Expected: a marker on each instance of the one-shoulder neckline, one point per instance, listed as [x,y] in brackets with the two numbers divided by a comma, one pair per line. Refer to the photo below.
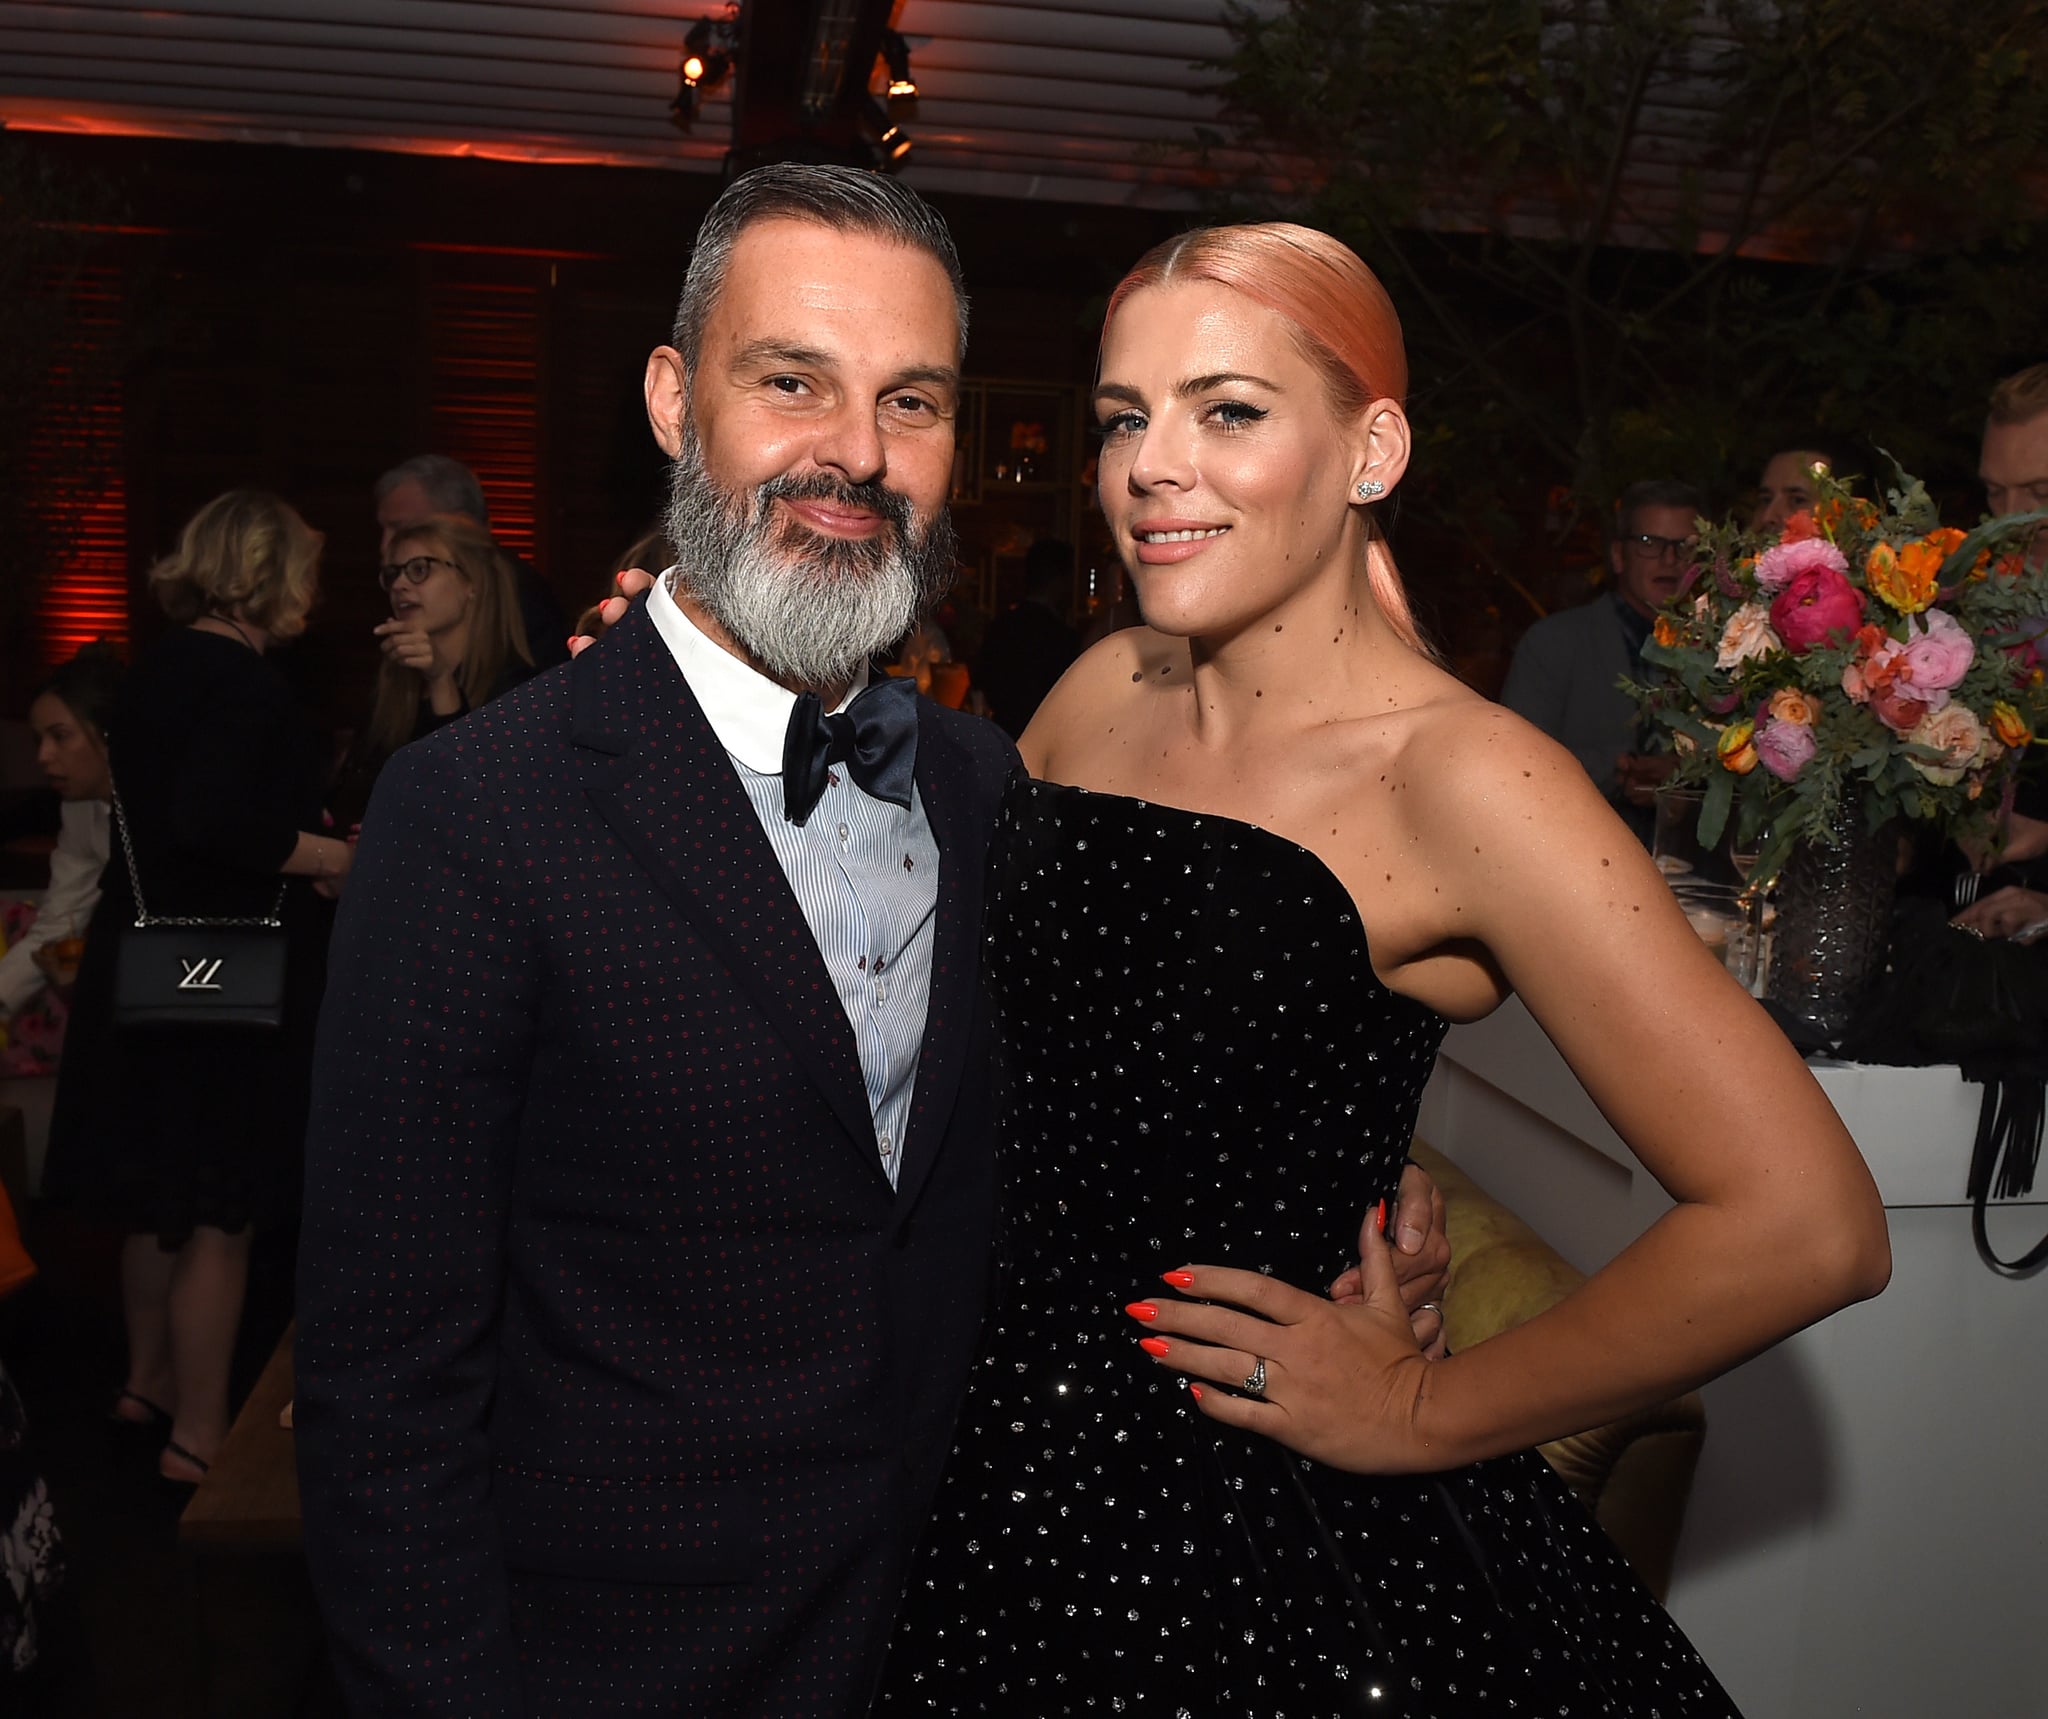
[1330,882]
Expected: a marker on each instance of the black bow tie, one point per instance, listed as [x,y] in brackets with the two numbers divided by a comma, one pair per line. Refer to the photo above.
[875,737]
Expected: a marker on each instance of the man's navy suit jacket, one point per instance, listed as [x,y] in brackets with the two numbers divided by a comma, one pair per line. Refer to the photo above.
[601,1276]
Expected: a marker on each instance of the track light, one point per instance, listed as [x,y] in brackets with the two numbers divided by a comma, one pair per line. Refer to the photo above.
[891,147]
[707,63]
[902,86]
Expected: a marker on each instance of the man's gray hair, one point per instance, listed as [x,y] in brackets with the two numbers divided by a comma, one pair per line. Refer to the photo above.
[845,199]
[450,485]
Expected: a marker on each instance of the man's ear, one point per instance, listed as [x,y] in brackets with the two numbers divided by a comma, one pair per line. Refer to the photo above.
[668,398]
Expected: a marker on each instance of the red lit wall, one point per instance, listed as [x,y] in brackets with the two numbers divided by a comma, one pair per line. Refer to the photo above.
[76,470]
[485,384]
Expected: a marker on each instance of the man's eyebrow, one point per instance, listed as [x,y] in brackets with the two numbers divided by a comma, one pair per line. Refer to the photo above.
[781,352]
[938,375]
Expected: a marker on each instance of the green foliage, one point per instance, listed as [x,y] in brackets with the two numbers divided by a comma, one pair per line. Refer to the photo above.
[1583,212]
[1934,738]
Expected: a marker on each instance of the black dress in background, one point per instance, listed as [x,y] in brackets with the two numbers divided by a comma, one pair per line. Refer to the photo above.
[160,1129]
[1201,1066]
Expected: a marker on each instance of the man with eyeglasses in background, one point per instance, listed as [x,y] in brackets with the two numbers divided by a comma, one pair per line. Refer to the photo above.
[1565,671]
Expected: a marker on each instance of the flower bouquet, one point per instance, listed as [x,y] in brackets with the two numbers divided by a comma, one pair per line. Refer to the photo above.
[1867,658]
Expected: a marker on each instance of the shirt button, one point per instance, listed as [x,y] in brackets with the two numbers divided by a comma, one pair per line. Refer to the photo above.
[845,835]
[881,990]
[888,1146]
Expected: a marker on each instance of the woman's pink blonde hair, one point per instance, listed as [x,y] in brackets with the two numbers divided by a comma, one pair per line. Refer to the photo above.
[1344,322]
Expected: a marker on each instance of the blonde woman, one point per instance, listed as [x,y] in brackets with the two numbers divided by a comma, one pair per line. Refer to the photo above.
[1273,849]
[455,639]
[189,1138]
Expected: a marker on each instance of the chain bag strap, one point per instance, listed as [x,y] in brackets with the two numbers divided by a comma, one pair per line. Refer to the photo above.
[187,971]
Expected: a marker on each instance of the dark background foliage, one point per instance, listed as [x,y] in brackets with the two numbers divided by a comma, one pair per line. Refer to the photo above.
[1657,237]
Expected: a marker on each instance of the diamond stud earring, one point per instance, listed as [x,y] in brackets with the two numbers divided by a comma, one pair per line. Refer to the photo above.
[1370,488]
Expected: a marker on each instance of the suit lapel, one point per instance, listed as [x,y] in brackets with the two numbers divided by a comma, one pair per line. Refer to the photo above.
[944,784]
[673,800]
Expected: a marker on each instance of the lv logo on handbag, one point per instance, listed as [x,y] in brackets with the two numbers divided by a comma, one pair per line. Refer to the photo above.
[237,980]
[199,975]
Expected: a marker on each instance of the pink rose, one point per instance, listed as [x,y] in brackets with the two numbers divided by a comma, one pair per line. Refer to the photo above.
[1784,747]
[1818,604]
[1938,652]
[1780,564]
[1882,678]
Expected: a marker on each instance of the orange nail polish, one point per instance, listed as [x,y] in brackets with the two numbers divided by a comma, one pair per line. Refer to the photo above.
[1153,1346]
[1380,1222]
[1178,1279]
[1195,1391]
[1142,1310]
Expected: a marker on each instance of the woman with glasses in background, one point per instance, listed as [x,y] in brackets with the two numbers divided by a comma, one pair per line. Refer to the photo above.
[455,641]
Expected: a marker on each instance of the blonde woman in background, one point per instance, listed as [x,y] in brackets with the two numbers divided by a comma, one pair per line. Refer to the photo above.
[455,639]
[187,1138]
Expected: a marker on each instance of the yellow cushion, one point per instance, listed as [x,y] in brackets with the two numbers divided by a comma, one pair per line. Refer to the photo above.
[1634,1474]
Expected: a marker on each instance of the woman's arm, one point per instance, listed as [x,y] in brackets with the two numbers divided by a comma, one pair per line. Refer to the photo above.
[325,859]
[66,908]
[1777,1221]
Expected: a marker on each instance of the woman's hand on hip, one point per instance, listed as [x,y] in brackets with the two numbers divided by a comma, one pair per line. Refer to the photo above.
[1343,1382]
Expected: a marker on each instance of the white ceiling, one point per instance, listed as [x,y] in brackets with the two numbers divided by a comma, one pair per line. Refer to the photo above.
[1070,100]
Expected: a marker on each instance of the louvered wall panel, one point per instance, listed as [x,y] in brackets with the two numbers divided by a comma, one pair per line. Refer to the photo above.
[484,369]
[602,456]
[76,461]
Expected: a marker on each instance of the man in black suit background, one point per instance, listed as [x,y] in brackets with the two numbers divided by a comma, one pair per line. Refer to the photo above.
[650,1190]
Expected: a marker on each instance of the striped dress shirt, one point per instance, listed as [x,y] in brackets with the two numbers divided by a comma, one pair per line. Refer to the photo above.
[865,873]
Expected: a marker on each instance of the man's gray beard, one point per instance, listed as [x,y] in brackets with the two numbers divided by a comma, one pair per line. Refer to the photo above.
[810,610]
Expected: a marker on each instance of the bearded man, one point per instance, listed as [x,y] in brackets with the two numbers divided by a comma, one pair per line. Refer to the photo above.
[650,1192]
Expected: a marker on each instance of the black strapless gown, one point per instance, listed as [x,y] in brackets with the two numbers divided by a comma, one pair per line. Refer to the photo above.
[1201,1065]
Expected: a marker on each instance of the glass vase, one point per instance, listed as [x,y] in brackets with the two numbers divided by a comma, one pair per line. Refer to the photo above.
[1834,921]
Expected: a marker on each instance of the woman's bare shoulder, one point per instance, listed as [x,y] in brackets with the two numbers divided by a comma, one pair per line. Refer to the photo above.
[1098,691]
[1467,746]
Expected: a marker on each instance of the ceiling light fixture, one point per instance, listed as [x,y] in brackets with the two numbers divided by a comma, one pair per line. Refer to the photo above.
[707,63]
[885,137]
[902,85]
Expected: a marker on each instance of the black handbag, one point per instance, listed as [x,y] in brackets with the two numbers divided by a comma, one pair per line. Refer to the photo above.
[1981,1003]
[185,972]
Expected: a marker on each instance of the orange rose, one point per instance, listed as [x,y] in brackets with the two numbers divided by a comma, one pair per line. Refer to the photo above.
[1789,704]
[1799,528]
[1904,579]
[2010,727]
[1665,631]
[1923,559]
[1737,747]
